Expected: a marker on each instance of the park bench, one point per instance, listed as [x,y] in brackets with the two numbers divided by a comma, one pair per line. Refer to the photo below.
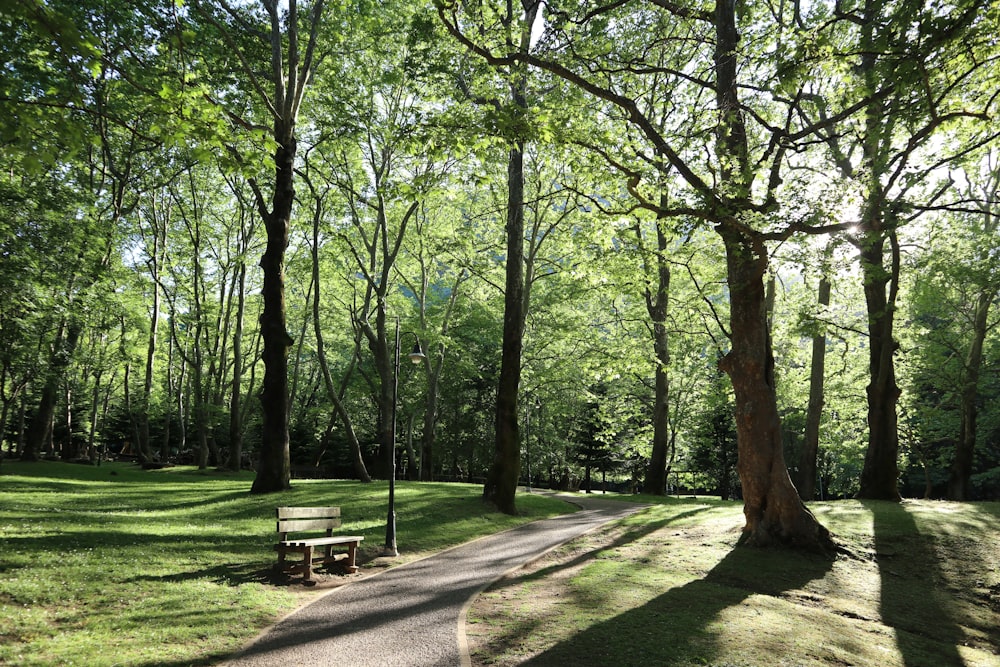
[311,520]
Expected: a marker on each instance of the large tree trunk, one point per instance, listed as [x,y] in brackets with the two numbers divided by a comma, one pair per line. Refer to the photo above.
[814,413]
[879,477]
[656,305]
[961,465]
[774,513]
[274,471]
[501,481]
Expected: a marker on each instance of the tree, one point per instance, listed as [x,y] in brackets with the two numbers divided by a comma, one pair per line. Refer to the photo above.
[291,71]
[916,75]
[981,323]
[814,414]
[334,394]
[954,290]
[774,513]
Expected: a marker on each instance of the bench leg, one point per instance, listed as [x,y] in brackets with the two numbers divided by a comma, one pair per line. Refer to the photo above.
[352,550]
[307,562]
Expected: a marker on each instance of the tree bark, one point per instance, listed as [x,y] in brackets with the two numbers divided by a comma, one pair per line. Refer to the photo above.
[274,471]
[656,305]
[236,395]
[289,77]
[879,477]
[774,513]
[814,413]
[501,481]
[40,427]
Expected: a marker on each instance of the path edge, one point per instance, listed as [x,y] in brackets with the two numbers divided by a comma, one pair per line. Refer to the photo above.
[462,641]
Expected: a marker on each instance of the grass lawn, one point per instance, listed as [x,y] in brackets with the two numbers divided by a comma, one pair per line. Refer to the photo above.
[113,565]
[666,588]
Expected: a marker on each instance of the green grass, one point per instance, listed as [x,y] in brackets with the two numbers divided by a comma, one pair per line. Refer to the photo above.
[113,565]
[666,587]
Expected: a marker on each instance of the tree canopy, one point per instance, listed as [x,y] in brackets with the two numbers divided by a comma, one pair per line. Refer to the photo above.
[583,213]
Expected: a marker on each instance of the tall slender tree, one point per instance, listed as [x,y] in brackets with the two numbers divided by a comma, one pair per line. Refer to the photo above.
[292,43]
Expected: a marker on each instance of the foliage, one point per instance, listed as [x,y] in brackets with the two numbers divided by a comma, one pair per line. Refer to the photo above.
[135,137]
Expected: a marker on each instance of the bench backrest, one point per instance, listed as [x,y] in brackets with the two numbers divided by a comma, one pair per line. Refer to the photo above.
[298,519]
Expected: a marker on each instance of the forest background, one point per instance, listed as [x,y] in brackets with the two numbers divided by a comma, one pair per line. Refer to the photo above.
[206,203]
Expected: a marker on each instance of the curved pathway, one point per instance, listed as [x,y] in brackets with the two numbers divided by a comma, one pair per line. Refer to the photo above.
[409,615]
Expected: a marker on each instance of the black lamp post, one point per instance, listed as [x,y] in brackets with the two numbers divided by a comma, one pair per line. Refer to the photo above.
[416,356]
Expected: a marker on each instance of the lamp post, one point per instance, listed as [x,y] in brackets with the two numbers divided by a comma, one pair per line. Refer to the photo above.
[416,356]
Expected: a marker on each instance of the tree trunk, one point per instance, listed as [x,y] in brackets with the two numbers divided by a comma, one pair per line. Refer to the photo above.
[40,428]
[774,513]
[236,395]
[501,481]
[67,449]
[345,418]
[412,468]
[429,436]
[386,389]
[961,465]
[434,366]
[810,448]
[879,477]
[274,471]
[656,305]
[168,413]
[143,445]
[95,404]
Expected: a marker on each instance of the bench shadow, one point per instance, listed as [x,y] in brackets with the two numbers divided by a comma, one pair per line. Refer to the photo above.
[913,596]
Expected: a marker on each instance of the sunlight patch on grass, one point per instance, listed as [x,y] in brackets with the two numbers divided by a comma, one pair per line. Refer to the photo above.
[667,587]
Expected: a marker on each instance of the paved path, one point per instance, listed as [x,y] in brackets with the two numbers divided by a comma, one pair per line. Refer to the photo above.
[409,615]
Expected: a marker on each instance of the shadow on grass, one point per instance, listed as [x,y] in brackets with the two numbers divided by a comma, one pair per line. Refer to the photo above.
[927,634]
[631,535]
[676,627]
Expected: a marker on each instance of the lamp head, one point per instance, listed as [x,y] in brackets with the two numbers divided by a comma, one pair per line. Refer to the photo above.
[416,356]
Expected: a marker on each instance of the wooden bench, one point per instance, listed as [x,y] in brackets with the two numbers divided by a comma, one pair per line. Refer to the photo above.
[312,520]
